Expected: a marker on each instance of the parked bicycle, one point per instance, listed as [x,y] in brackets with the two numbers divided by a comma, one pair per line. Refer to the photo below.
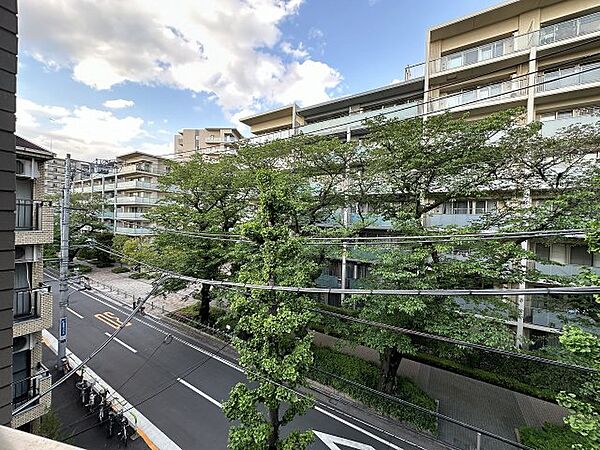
[123,432]
[103,407]
[111,423]
[85,387]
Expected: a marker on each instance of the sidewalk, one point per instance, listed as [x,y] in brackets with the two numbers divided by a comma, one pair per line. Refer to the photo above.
[484,405]
[130,289]
[67,406]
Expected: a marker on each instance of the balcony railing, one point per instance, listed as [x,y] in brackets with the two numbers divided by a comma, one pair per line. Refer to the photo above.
[134,231]
[137,200]
[340,124]
[27,388]
[483,95]
[457,219]
[571,76]
[25,304]
[569,29]
[28,215]
[551,34]
[485,52]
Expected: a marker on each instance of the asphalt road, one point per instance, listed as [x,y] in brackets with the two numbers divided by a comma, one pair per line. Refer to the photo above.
[188,412]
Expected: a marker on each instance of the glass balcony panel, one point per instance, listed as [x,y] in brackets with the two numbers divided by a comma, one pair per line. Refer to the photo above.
[590,73]
[589,24]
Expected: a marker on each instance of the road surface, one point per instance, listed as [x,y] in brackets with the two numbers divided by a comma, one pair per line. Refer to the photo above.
[189,411]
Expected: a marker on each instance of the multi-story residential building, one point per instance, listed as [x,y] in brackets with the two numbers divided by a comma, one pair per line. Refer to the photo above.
[8,81]
[32,300]
[129,197]
[541,56]
[211,142]
[55,174]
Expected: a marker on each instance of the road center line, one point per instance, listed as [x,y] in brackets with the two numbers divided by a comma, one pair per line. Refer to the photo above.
[122,343]
[74,313]
[200,393]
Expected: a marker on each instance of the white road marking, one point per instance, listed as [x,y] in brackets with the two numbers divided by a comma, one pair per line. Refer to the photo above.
[200,393]
[357,428]
[239,369]
[74,313]
[156,436]
[128,347]
[331,442]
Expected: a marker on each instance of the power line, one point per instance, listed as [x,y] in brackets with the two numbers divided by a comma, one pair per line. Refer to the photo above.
[462,343]
[65,377]
[419,333]
[400,401]
[397,292]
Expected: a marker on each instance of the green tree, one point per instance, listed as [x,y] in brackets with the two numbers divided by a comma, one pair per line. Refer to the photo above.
[422,165]
[273,340]
[584,405]
[202,196]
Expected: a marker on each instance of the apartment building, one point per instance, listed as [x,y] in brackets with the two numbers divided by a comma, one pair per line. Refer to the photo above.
[8,81]
[128,190]
[55,174]
[32,300]
[540,55]
[211,142]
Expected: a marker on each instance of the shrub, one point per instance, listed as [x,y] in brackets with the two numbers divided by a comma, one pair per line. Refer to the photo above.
[550,437]
[51,427]
[367,373]
[120,269]
[83,268]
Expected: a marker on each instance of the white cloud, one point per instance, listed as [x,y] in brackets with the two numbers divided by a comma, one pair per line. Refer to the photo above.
[84,132]
[228,49]
[118,103]
[299,52]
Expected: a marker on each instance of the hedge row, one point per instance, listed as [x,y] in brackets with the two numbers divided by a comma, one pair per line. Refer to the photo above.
[352,368]
[367,373]
[550,437]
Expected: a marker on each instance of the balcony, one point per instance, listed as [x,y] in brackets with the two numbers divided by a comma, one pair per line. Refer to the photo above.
[136,200]
[269,137]
[568,78]
[445,220]
[25,304]
[563,32]
[134,184]
[27,388]
[146,168]
[483,53]
[122,215]
[551,127]
[503,92]
[28,215]
[565,270]
[134,231]
[570,29]
[356,121]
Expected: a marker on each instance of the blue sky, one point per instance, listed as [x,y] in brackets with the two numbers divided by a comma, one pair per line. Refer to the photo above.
[197,63]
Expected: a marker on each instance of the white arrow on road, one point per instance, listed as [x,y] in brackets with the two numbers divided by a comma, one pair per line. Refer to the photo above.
[333,441]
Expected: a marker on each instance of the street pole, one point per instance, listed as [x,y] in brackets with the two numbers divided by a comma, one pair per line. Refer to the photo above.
[65,214]
[346,223]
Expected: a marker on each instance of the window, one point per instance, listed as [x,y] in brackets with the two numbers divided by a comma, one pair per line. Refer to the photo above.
[21,369]
[580,255]
[564,114]
[542,251]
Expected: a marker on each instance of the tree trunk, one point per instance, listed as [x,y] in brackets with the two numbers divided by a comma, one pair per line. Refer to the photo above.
[390,360]
[204,312]
[274,436]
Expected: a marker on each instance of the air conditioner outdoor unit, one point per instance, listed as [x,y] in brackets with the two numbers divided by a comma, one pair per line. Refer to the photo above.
[21,343]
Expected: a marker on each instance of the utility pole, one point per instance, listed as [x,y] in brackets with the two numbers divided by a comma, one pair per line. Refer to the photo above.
[346,223]
[63,302]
